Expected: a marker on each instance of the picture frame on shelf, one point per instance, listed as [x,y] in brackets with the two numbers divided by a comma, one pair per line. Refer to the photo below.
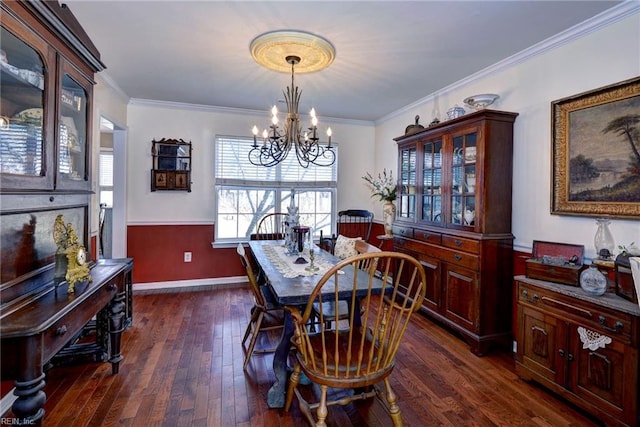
[160,179]
[596,152]
[182,180]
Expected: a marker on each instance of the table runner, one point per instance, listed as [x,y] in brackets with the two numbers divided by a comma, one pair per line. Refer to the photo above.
[285,263]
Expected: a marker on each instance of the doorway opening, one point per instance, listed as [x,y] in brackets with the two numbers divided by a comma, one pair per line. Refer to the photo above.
[112,227]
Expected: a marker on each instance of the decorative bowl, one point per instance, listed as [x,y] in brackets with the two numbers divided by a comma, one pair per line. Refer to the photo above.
[482,101]
[455,112]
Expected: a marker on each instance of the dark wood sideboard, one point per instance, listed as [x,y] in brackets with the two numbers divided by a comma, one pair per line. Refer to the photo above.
[582,347]
[33,331]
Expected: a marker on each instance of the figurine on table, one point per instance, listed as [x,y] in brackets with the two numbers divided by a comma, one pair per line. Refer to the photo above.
[77,269]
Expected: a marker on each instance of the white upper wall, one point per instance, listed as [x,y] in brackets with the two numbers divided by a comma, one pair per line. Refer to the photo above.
[606,56]
[111,104]
[200,125]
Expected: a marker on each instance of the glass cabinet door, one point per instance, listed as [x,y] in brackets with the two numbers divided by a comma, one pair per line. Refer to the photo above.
[408,181]
[72,131]
[432,181]
[463,180]
[24,82]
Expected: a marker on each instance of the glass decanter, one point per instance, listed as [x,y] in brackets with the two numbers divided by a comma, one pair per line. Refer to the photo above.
[603,240]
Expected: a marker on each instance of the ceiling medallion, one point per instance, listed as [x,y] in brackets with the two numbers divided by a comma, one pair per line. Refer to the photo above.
[292,51]
[271,50]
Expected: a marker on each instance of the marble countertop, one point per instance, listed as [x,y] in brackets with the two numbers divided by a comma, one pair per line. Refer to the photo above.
[609,299]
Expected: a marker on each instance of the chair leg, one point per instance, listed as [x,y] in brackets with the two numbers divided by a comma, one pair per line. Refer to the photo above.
[293,383]
[254,316]
[323,411]
[254,338]
[394,409]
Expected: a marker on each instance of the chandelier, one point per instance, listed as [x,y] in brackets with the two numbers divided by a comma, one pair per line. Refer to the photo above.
[276,142]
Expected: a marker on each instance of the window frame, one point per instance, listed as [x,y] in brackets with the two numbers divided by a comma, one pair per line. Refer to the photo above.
[101,188]
[281,189]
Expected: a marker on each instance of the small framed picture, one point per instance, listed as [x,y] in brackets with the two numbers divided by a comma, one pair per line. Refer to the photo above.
[182,179]
[160,179]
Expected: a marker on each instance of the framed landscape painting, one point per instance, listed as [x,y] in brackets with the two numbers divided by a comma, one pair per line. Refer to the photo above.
[596,152]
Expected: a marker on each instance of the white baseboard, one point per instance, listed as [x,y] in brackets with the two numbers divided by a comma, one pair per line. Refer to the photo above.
[177,285]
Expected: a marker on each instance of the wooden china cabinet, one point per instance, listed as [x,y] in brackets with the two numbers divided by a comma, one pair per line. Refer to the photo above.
[47,66]
[454,216]
[47,84]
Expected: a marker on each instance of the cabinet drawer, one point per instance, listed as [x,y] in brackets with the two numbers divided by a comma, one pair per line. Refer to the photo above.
[460,258]
[402,231]
[401,244]
[467,245]
[438,252]
[427,236]
[600,319]
[66,327]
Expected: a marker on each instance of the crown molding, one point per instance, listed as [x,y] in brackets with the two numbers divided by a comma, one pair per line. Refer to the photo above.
[604,19]
[105,78]
[232,110]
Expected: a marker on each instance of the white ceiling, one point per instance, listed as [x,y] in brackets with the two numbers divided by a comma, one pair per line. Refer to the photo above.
[388,53]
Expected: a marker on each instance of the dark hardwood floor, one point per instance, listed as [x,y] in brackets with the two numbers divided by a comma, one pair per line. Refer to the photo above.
[183,367]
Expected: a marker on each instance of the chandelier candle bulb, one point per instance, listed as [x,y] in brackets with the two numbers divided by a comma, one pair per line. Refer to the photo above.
[329,136]
[255,133]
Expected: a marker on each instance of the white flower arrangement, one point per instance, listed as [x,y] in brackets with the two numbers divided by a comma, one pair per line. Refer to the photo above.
[384,186]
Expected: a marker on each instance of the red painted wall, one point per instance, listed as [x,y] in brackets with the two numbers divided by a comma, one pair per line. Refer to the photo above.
[93,248]
[158,254]
[519,259]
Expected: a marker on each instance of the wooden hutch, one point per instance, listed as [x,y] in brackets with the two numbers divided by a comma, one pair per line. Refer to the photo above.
[454,216]
[582,347]
[47,66]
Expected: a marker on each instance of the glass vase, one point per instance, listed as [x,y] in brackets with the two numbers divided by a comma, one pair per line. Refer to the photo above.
[592,281]
[603,240]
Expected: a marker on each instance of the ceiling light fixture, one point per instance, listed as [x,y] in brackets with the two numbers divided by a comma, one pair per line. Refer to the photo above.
[277,51]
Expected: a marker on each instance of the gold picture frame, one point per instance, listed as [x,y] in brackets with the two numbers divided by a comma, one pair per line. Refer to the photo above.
[596,152]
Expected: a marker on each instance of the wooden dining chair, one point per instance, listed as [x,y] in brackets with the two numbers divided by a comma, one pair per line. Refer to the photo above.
[266,314]
[362,354]
[350,223]
[328,308]
[271,227]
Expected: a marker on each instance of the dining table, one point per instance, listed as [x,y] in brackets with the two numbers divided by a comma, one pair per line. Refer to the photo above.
[291,285]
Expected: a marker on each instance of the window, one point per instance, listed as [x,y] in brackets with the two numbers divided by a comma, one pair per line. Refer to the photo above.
[106,178]
[245,193]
